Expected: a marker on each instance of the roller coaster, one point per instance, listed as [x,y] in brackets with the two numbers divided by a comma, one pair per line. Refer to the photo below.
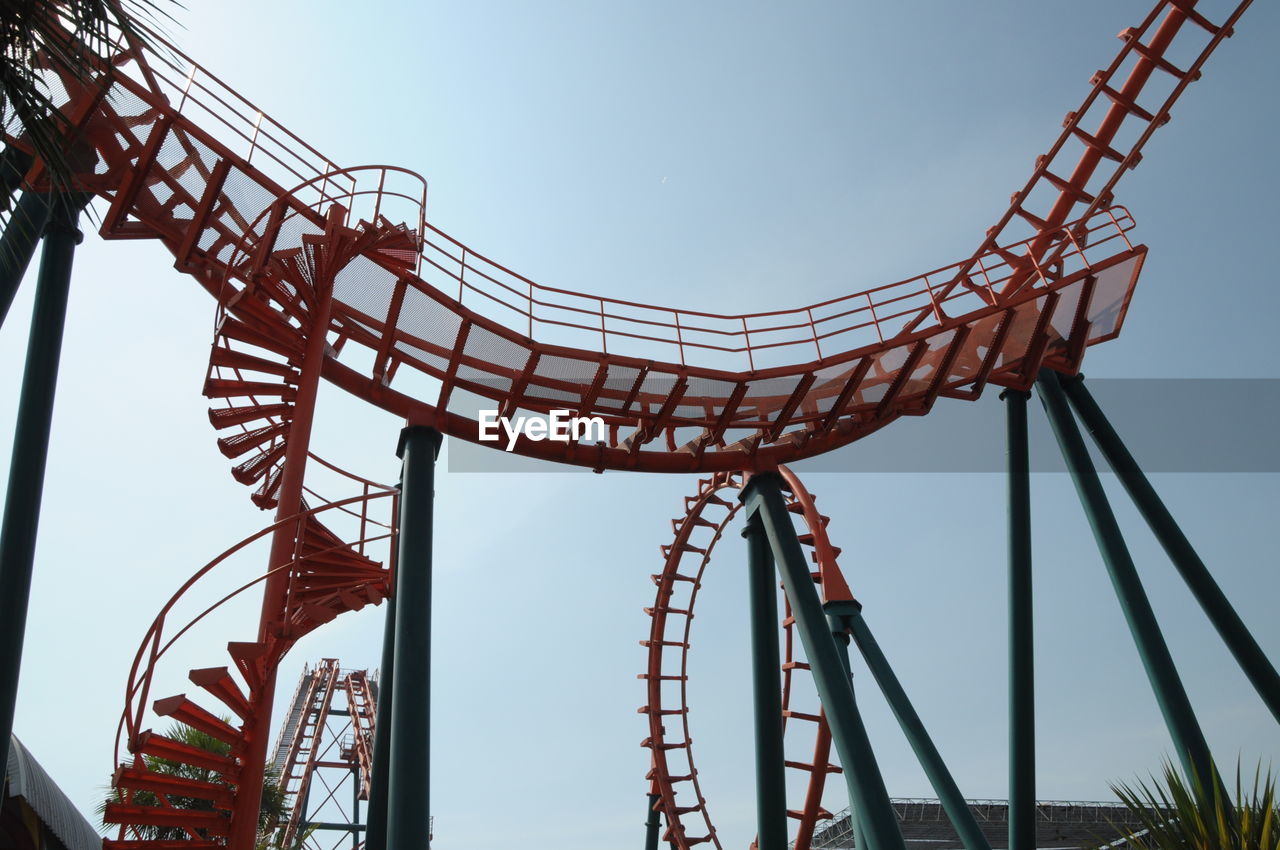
[323,272]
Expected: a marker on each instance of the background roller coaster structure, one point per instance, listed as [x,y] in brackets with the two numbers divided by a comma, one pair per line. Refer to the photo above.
[322,272]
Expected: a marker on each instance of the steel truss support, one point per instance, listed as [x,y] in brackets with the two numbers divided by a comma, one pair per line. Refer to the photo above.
[1252,660]
[771,785]
[1188,739]
[409,771]
[31,445]
[763,497]
[1022,696]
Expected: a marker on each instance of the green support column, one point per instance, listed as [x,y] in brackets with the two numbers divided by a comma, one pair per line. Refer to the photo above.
[355,808]
[1022,695]
[652,824]
[1252,660]
[1188,739]
[18,244]
[944,785]
[31,448]
[376,811]
[763,495]
[409,773]
[771,783]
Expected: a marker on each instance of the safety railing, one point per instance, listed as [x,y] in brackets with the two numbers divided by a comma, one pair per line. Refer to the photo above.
[159,640]
[806,333]
[235,121]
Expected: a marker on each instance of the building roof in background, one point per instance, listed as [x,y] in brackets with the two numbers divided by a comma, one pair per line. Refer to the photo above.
[27,779]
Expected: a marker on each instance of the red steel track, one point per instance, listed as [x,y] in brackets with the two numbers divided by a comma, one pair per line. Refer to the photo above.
[324,272]
[673,776]
[432,330]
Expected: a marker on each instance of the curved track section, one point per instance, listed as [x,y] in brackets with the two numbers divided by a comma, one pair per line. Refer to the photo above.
[674,777]
[436,332]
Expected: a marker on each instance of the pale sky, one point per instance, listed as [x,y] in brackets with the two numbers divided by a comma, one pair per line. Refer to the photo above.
[720,156]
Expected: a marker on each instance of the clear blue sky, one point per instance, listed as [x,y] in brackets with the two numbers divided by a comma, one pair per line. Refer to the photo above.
[722,156]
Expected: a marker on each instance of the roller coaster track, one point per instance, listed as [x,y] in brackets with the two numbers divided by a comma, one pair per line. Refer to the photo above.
[326,272]
[674,776]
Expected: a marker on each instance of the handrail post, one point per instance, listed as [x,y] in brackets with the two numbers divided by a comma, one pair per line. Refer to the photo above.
[874,319]
[813,329]
[604,335]
[679,336]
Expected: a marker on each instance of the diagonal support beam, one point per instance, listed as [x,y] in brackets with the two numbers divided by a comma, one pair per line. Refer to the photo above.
[762,496]
[1252,660]
[1188,739]
[944,785]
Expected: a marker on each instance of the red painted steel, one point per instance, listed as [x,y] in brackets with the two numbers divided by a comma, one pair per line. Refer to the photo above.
[673,775]
[327,576]
[311,749]
[321,271]
[678,390]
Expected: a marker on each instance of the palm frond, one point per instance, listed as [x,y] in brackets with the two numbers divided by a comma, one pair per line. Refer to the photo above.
[1180,814]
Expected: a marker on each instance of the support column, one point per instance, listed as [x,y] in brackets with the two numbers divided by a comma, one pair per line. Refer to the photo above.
[376,811]
[771,786]
[1188,739]
[18,244]
[944,785]
[355,807]
[651,825]
[1022,696]
[409,773]
[1252,660]
[21,517]
[244,820]
[763,495]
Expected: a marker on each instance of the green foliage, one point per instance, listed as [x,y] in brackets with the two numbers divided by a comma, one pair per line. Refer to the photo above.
[34,42]
[273,803]
[1182,815]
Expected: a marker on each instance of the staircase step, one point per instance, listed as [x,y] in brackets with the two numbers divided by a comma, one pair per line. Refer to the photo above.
[141,779]
[284,343]
[257,466]
[265,496]
[134,815]
[229,388]
[247,655]
[246,441]
[218,681]
[231,359]
[187,712]
[225,417]
[154,744]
